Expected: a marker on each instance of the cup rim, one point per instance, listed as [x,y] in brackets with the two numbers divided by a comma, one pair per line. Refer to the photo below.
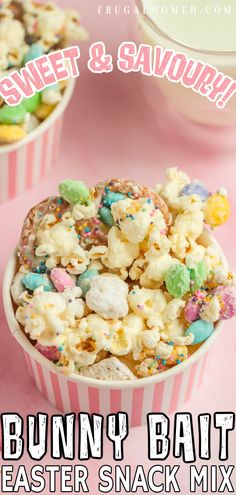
[22,340]
[59,109]
[159,31]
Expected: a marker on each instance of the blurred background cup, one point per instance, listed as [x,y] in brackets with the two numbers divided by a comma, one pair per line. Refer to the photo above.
[204,31]
[25,163]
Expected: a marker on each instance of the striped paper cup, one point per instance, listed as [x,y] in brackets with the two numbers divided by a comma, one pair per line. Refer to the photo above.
[24,163]
[166,392]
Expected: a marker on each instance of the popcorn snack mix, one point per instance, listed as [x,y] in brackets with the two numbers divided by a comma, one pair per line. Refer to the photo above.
[115,282]
[29,30]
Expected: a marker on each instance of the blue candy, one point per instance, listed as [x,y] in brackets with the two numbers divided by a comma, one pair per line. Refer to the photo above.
[112,197]
[105,216]
[197,188]
[201,330]
[84,280]
[34,51]
[34,280]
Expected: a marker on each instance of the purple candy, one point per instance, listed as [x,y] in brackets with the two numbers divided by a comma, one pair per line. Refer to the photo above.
[197,188]
[193,306]
[50,352]
[227,297]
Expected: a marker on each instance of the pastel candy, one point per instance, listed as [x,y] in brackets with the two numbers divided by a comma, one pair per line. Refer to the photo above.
[198,275]
[34,51]
[61,279]
[74,191]
[227,298]
[52,353]
[197,188]
[177,280]
[12,115]
[84,280]
[11,133]
[31,104]
[34,280]
[193,306]
[201,330]
[217,210]
[105,216]
[112,197]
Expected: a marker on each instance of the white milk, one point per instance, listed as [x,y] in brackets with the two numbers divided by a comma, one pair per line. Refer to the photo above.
[201,25]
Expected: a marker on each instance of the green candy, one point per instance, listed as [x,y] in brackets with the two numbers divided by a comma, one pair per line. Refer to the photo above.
[112,197]
[105,216]
[74,191]
[31,104]
[198,275]
[12,115]
[177,280]
[84,280]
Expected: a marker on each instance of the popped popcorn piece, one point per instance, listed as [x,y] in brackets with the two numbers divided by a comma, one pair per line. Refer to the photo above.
[121,253]
[147,303]
[107,296]
[190,224]
[81,211]
[60,243]
[49,314]
[210,311]
[136,217]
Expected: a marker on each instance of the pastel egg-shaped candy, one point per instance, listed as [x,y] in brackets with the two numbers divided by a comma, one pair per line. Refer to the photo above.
[50,352]
[217,210]
[31,104]
[198,275]
[105,216]
[227,298]
[84,280]
[11,133]
[33,281]
[201,330]
[193,306]
[12,115]
[61,279]
[112,197]
[197,188]
[74,191]
[34,51]
[177,280]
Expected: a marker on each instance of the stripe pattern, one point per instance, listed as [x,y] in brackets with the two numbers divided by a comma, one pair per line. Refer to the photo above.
[71,396]
[24,167]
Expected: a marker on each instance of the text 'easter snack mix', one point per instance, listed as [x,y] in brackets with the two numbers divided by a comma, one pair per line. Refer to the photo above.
[118,281]
[29,30]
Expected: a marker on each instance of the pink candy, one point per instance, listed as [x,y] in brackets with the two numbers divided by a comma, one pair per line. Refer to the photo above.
[61,279]
[227,298]
[52,353]
[193,306]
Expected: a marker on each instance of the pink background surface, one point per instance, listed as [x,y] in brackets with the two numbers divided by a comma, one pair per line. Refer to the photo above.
[111,131]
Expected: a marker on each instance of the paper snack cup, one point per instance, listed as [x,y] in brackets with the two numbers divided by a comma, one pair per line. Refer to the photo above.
[166,392]
[24,163]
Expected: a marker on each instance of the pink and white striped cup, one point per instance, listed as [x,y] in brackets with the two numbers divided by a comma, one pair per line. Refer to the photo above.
[166,392]
[24,163]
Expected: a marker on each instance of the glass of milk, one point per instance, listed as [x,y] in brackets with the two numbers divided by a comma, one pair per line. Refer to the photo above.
[203,30]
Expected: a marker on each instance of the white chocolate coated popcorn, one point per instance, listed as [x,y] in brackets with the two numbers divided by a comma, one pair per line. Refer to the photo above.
[49,314]
[136,217]
[121,252]
[60,242]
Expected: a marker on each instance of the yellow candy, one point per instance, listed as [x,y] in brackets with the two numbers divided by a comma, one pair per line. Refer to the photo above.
[179,354]
[217,210]
[44,110]
[11,133]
